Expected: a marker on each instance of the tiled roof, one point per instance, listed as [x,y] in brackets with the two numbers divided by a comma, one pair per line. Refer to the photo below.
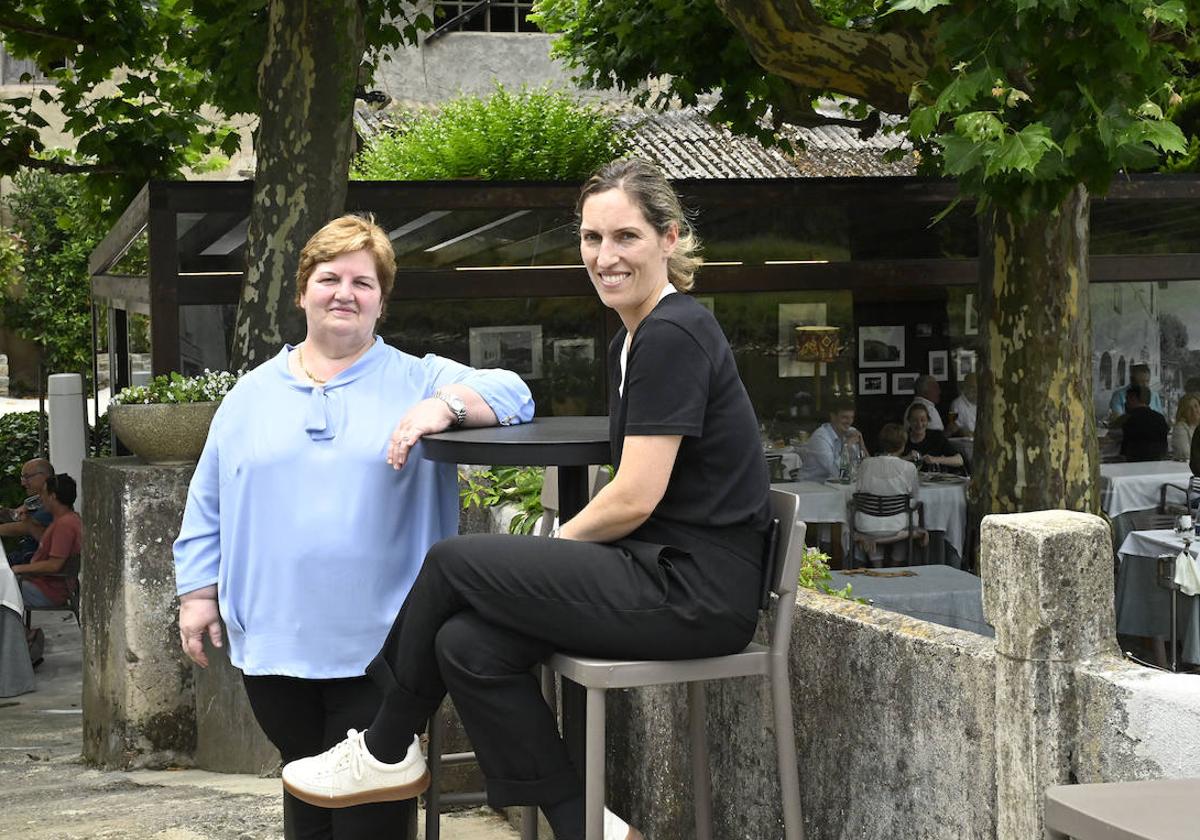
[685,145]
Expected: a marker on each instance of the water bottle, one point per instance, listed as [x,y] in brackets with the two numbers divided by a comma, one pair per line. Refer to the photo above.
[844,464]
[855,458]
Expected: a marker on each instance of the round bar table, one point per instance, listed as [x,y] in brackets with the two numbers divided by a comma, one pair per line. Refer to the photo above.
[570,443]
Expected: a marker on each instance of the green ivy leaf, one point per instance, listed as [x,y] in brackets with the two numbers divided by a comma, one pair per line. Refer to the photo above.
[922,6]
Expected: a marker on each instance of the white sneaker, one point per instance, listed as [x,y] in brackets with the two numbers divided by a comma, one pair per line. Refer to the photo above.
[349,775]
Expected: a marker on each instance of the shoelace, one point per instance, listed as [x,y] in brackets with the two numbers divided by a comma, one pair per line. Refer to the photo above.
[349,753]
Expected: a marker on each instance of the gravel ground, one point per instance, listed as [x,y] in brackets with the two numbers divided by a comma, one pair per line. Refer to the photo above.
[49,794]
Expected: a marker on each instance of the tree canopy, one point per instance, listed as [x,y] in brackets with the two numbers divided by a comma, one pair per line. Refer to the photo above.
[1021,100]
[144,88]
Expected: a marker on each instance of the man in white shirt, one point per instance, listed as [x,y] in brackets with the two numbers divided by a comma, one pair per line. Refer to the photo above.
[963,410]
[821,455]
[928,393]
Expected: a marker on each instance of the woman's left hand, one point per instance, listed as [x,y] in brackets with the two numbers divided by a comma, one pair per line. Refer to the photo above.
[425,418]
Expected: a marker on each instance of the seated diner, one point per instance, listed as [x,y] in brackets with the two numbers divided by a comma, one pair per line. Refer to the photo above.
[822,455]
[928,447]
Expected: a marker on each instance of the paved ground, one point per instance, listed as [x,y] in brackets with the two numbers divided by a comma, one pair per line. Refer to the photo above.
[47,793]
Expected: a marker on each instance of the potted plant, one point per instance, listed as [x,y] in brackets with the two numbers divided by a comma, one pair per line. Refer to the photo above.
[166,420]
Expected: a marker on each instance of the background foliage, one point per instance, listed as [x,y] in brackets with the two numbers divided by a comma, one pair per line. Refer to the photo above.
[529,135]
[46,300]
[18,443]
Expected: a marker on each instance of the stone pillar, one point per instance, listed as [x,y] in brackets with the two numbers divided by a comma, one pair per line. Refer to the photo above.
[138,709]
[144,703]
[1048,591]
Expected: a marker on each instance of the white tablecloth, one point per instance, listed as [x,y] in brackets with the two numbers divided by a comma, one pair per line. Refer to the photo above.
[935,593]
[945,507]
[1135,485]
[1144,607]
[16,671]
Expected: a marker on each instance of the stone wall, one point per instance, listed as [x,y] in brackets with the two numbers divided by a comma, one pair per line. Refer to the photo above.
[907,729]
[137,688]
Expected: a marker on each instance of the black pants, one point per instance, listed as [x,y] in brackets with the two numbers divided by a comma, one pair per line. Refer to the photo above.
[486,608]
[305,717]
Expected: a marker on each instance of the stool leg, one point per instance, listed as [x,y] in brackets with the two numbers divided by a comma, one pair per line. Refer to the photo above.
[433,829]
[701,778]
[529,822]
[785,749]
[593,776]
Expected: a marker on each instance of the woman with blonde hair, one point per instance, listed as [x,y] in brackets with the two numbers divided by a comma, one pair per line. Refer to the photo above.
[664,563]
[1187,418]
[300,535]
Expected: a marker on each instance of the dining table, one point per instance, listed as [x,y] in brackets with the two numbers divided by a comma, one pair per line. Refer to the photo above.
[16,670]
[1144,607]
[570,443]
[944,497]
[1128,487]
[938,594]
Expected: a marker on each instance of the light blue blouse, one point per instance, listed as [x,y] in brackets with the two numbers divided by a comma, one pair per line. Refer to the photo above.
[312,538]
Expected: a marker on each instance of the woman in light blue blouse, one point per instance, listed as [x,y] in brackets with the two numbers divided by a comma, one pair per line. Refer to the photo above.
[300,533]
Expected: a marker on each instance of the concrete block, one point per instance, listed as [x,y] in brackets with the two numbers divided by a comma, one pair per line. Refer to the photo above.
[137,688]
[1048,584]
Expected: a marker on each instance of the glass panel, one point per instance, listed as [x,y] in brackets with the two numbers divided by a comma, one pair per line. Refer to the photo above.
[205,334]
[1145,227]
[556,344]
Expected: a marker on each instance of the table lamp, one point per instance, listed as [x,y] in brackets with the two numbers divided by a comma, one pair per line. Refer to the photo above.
[820,345]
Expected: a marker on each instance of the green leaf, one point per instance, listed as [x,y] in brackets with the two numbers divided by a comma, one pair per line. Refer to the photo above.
[1021,151]
[960,154]
[922,6]
[1163,135]
[979,125]
[922,122]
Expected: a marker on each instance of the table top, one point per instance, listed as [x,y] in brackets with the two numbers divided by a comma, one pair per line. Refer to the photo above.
[940,594]
[544,441]
[1154,543]
[1135,485]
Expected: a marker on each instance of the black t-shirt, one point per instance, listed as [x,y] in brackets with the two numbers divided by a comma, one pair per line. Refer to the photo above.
[1144,435]
[681,379]
[935,443]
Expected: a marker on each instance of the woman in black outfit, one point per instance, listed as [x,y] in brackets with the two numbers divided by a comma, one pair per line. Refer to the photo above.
[664,562]
[928,447]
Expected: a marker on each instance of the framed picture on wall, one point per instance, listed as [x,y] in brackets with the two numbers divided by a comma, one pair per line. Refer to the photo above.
[964,363]
[872,383]
[572,349]
[902,383]
[939,365]
[881,347]
[970,316]
[518,348]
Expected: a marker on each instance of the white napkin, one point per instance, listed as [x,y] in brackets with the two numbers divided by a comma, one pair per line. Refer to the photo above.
[1187,575]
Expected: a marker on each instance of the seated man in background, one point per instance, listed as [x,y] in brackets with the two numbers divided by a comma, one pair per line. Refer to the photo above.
[963,411]
[29,520]
[63,538]
[928,392]
[1139,375]
[821,457]
[1144,432]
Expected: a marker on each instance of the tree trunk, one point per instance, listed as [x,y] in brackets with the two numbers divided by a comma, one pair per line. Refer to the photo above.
[303,145]
[1036,445]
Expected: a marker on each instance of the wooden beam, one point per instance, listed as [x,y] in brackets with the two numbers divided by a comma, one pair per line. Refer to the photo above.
[122,234]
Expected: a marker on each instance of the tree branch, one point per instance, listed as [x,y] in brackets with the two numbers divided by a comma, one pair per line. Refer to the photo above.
[37,29]
[788,38]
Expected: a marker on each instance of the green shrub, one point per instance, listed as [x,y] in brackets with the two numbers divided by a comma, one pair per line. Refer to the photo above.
[46,298]
[531,135]
[520,486]
[18,443]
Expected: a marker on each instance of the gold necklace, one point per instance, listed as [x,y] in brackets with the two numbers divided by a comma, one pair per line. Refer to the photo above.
[303,367]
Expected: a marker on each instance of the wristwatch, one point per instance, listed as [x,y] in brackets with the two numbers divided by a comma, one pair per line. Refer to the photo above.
[457,407]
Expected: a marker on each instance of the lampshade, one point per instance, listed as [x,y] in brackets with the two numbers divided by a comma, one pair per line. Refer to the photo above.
[818,344]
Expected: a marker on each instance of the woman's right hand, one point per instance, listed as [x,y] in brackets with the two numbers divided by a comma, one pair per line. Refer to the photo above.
[198,616]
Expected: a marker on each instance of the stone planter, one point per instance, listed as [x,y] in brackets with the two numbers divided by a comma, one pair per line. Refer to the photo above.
[163,433]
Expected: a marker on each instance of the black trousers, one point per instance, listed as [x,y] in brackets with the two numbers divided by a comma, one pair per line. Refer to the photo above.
[486,608]
[304,717]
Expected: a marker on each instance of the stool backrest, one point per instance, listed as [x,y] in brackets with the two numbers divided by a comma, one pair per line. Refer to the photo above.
[874,505]
[789,552]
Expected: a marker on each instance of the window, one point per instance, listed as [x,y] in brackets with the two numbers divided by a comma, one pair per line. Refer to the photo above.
[1106,371]
[485,15]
